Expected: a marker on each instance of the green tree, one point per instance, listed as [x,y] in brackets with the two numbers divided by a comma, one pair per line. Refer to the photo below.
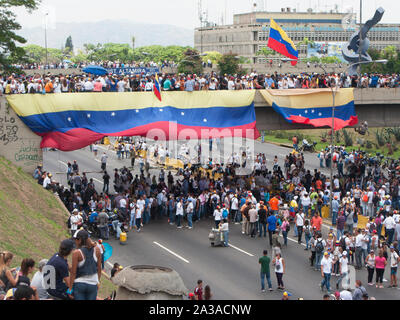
[35,53]
[69,47]
[266,52]
[214,56]
[10,51]
[229,64]
[191,63]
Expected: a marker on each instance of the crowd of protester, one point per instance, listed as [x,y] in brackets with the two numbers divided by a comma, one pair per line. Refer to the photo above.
[191,82]
[105,64]
[281,201]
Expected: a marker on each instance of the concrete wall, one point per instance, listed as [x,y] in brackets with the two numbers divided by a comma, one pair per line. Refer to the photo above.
[17,142]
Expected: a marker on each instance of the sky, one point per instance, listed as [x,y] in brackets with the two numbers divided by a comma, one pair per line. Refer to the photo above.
[183,13]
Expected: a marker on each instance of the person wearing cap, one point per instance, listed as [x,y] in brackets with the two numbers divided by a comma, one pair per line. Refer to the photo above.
[394,262]
[286,296]
[37,281]
[343,270]
[326,270]
[86,268]
[76,221]
[370,261]
[58,266]
[217,216]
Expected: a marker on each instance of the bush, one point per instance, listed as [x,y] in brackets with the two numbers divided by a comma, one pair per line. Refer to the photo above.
[348,139]
[369,145]
[380,137]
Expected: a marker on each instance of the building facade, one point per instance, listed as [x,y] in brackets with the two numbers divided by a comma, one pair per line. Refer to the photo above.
[249,32]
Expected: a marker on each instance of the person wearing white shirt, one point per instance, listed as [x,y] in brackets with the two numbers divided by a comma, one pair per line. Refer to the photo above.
[389,224]
[300,224]
[358,244]
[394,262]
[326,270]
[179,213]
[343,269]
[217,216]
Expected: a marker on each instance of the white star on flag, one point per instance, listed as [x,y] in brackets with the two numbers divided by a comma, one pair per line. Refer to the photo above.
[312,111]
[182,113]
[205,120]
[113,114]
[88,115]
[137,111]
[306,112]
[320,114]
[161,110]
[69,119]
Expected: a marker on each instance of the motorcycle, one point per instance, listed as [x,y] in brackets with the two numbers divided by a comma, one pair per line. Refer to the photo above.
[308,147]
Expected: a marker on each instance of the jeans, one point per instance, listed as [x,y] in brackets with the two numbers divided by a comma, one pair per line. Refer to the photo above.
[84,291]
[217,222]
[326,282]
[171,215]
[132,221]
[138,223]
[106,187]
[104,232]
[341,277]
[339,234]
[358,257]
[262,227]
[279,277]
[300,233]
[146,217]
[226,238]
[117,227]
[334,217]
[178,220]
[190,220]
[390,234]
[370,274]
[284,234]
[318,258]
[308,238]
[263,276]
[306,208]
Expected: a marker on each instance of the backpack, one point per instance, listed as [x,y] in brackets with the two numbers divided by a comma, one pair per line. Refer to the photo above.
[319,247]
[365,198]
[343,243]
[287,227]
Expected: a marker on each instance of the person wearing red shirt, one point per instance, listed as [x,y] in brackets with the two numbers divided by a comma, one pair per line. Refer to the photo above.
[274,203]
[316,222]
[198,291]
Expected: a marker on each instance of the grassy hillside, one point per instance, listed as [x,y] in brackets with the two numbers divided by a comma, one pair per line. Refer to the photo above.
[32,219]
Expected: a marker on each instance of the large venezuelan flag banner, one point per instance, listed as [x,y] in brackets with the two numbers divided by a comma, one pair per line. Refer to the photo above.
[314,106]
[279,41]
[70,121]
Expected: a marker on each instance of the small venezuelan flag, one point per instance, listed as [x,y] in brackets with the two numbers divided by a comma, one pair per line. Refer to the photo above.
[280,42]
[157,88]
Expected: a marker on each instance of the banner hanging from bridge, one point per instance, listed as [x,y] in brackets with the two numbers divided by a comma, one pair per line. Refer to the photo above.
[314,106]
[71,121]
[133,70]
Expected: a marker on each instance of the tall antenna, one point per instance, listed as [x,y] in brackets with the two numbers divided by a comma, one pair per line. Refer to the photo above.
[200,9]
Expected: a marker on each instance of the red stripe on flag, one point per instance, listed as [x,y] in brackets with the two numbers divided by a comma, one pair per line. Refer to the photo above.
[281,48]
[325,122]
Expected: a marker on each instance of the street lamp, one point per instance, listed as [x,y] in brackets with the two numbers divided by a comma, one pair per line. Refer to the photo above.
[45,36]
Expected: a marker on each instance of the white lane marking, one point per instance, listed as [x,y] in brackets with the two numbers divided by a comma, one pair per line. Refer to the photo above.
[171,252]
[63,163]
[98,180]
[97,160]
[238,249]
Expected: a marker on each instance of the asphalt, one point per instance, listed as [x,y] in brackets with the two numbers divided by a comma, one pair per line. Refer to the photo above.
[232,273]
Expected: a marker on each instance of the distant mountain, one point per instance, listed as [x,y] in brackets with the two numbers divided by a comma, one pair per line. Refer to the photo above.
[110,31]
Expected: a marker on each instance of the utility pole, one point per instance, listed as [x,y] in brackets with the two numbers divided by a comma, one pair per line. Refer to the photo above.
[360,47]
[45,36]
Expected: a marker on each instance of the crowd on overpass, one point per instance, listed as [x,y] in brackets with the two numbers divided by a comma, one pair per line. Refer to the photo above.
[191,82]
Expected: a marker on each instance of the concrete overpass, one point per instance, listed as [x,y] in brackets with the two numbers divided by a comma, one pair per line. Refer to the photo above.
[380,107]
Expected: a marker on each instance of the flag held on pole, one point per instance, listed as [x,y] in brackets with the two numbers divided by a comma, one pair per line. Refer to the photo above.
[280,42]
[157,88]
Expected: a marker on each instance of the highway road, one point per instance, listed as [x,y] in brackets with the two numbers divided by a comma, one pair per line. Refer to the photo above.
[232,273]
